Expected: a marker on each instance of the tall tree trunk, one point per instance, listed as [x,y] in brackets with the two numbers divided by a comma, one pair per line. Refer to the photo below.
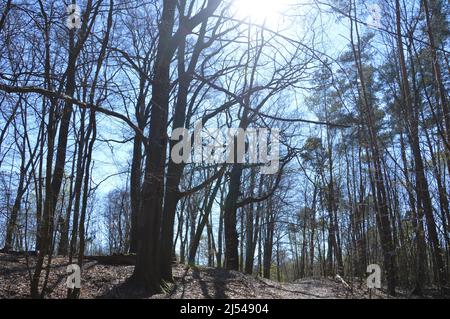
[147,272]
[379,189]
[422,188]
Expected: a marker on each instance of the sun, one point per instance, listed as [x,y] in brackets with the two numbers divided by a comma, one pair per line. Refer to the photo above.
[269,12]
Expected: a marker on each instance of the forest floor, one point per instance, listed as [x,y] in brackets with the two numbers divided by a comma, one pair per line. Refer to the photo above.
[109,281]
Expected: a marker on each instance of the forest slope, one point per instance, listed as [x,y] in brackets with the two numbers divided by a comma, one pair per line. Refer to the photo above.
[109,281]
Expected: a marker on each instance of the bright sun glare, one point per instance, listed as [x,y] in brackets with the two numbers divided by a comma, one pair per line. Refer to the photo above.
[259,11]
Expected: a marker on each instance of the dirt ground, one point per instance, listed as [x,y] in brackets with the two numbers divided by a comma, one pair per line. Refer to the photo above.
[109,281]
